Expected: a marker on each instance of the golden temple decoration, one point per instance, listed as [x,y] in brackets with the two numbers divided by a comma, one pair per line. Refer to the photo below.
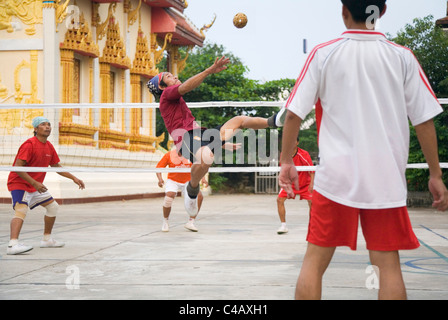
[32,65]
[181,62]
[114,51]
[158,54]
[28,12]
[21,118]
[102,27]
[96,20]
[80,40]
[67,66]
[77,134]
[132,14]
[145,143]
[18,95]
[34,82]
[113,139]
[143,64]
[3,90]
[61,11]
[206,27]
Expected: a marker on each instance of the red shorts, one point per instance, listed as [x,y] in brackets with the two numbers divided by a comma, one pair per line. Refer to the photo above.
[303,192]
[333,224]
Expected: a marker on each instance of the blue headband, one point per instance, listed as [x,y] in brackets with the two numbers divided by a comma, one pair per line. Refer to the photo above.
[38,120]
[154,84]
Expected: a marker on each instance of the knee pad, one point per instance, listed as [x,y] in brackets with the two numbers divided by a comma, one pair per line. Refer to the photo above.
[52,209]
[167,202]
[20,211]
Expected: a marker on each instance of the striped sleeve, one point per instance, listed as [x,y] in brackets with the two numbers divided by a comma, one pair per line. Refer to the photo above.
[304,95]
[421,102]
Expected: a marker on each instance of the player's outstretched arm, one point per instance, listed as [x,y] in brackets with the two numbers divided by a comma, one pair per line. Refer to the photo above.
[194,82]
[68,175]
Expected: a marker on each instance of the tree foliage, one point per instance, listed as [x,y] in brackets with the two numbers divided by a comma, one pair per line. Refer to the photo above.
[430,45]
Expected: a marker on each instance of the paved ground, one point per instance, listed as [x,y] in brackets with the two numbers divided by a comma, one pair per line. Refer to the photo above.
[116,250]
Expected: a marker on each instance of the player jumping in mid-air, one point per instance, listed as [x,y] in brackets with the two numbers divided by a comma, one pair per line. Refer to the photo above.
[188,136]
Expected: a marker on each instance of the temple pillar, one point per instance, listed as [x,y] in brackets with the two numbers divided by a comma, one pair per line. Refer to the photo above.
[67,66]
[51,53]
[51,73]
[105,93]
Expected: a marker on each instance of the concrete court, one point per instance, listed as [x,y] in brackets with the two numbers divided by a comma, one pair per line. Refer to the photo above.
[116,250]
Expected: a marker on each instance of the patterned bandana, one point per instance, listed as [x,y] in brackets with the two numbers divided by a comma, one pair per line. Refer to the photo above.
[154,83]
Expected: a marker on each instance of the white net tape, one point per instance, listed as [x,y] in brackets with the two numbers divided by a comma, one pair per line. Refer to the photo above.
[180,170]
[140,162]
[192,105]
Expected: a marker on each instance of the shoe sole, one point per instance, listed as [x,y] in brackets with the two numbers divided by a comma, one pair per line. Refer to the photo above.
[193,230]
[52,246]
[13,254]
[191,214]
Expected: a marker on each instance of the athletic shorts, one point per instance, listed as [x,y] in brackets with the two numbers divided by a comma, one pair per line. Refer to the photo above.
[173,186]
[32,200]
[195,139]
[303,192]
[333,225]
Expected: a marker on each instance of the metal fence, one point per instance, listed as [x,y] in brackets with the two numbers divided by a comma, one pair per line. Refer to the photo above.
[267,182]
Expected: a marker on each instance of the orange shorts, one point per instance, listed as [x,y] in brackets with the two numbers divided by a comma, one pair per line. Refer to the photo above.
[333,225]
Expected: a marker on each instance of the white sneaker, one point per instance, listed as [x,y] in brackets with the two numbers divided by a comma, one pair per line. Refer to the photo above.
[191,205]
[282,230]
[280,118]
[18,249]
[51,243]
[190,226]
[165,226]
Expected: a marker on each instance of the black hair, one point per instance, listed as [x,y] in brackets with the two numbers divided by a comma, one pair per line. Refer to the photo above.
[163,84]
[358,8]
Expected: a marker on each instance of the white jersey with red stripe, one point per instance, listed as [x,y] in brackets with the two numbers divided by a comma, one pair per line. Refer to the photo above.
[366,89]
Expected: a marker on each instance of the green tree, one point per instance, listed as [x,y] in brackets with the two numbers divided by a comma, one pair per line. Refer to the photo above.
[430,45]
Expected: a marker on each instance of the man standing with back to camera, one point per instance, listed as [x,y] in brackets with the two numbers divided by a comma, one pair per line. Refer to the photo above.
[366,89]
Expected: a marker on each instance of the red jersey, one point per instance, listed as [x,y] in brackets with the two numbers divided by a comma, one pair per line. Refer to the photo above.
[173,160]
[302,158]
[176,114]
[36,154]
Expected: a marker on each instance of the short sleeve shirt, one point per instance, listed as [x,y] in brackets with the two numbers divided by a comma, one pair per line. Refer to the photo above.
[36,154]
[176,114]
[173,160]
[366,89]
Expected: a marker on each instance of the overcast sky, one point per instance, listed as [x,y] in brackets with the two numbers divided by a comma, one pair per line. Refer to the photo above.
[271,44]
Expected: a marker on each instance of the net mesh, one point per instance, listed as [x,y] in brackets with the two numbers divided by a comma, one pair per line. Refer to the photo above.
[115,137]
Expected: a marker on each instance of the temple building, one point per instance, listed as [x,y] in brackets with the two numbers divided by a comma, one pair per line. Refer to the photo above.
[443,22]
[89,52]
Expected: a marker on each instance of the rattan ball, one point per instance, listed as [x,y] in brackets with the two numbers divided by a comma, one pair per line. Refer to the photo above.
[240,20]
